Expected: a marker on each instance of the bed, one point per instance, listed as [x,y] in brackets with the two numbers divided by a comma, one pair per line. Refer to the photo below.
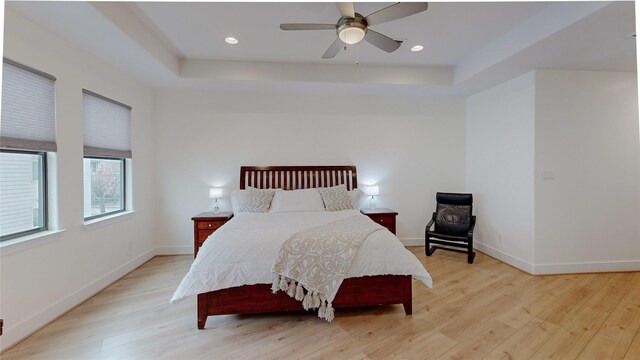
[245,232]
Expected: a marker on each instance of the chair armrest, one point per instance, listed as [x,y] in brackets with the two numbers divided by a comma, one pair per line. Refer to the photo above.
[430,224]
[473,225]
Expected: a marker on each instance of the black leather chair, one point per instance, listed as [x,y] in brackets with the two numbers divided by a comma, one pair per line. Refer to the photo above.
[453,225]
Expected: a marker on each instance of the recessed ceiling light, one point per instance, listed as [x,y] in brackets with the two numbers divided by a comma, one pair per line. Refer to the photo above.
[417,48]
[231,40]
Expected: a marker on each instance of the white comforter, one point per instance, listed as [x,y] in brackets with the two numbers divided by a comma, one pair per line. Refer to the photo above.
[242,252]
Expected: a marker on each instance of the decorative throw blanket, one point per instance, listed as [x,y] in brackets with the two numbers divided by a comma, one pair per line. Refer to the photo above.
[312,264]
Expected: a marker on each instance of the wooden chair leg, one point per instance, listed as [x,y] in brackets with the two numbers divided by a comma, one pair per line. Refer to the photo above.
[430,250]
[427,246]
[470,253]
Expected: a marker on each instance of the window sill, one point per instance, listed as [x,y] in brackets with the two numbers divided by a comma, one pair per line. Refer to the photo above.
[107,220]
[29,241]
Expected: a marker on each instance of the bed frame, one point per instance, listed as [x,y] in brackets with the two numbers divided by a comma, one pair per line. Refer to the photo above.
[354,292]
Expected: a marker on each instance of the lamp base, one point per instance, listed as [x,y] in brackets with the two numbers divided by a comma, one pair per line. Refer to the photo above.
[216,209]
[372,204]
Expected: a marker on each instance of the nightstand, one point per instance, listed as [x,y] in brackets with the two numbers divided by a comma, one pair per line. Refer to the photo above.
[384,217]
[204,224]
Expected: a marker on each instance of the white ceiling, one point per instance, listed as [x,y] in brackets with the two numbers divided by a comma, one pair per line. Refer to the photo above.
[448,31]
[468,46]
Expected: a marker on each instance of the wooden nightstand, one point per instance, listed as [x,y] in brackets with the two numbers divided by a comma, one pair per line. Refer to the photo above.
[204,224]
[384,217]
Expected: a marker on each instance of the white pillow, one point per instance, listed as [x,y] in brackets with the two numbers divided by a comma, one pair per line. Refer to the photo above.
[297,201]
[356,195]
[336,198]
[251,200]
[234,201]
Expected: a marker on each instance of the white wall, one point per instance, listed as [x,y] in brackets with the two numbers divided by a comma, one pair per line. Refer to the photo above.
[587,137]
[553,158]
[411,147]
[500,154]
[41,282]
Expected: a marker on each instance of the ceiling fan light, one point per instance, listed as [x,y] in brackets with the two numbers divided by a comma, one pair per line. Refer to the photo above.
[351,35]
[417,48]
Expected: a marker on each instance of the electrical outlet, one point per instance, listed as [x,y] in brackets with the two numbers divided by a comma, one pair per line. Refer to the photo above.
[499,238]
[130,245]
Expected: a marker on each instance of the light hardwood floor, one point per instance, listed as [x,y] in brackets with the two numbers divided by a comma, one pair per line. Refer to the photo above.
[487,310]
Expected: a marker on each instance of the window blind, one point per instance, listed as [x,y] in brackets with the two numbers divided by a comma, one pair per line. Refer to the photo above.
[28,109]
[106,126]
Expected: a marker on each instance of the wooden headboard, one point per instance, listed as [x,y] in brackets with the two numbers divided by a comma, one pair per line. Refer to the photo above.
[297,177]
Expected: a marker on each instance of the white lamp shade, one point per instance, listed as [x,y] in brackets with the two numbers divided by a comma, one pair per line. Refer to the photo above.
[215,193]
[351,35]
[372,190]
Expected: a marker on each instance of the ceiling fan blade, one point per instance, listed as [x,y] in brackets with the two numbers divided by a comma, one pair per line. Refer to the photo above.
[382,41]
[333,50]
[395,12]
[308,26]
[346,9]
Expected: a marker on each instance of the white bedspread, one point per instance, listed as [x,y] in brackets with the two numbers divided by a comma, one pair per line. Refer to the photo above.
[242,252]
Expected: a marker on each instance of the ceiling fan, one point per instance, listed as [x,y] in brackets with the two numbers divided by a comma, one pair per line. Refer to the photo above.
[353,27]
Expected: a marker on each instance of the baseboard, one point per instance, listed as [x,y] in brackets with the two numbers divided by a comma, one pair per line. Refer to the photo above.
[174,250]
[21,330]
[559,268]
[412,241]
[188,250]
[587,267]
[504,257]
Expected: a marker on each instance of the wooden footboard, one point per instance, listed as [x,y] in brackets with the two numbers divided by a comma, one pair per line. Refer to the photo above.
[354,292]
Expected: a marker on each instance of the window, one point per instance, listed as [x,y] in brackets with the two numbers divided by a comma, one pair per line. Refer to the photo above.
[104,186]
[23,193]
[107,148]
[27,134]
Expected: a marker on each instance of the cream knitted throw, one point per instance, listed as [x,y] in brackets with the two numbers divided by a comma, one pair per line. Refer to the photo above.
[312,264]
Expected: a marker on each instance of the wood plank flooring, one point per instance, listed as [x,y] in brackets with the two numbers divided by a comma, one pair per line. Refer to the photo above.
[487,310]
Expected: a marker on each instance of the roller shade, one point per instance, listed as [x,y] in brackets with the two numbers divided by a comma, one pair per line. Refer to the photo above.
[28,119]
[106,126]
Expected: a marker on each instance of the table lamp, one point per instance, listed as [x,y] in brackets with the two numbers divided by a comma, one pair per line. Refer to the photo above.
[215,193]
[372,191]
